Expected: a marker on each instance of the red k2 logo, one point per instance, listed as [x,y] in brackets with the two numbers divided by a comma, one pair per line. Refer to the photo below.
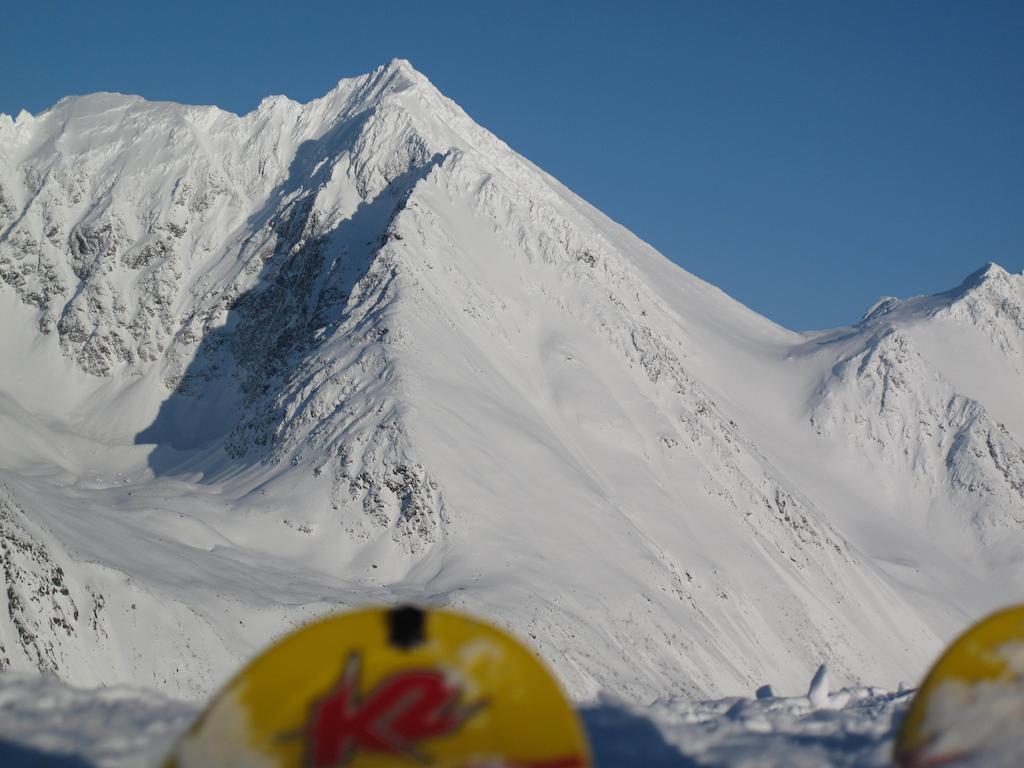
[394,718]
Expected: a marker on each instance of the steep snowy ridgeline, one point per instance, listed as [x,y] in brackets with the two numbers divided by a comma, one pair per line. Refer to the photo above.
[44,722]
[592,438]
[358,350]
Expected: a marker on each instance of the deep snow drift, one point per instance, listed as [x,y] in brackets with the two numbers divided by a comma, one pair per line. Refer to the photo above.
[259,368]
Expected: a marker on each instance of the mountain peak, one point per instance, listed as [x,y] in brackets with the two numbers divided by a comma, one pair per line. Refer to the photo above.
[990,281]
[353,95]
[991,292]
[396,75]
[401,66]
[989,275]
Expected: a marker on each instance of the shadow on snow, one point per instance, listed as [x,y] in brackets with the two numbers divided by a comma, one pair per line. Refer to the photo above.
[300,296]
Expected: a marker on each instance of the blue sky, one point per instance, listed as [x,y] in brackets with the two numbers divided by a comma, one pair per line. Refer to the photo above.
[806,157]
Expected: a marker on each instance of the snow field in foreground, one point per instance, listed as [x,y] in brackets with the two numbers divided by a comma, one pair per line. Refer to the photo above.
[44,722]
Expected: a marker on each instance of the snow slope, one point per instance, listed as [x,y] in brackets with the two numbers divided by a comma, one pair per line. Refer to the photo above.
[46,723]
[261,367]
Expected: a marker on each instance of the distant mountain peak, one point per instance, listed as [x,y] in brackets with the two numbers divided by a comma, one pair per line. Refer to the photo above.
[991,284]
[990,275]
[400,66]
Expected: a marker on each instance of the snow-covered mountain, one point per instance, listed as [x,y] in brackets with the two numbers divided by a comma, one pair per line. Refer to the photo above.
[258,368]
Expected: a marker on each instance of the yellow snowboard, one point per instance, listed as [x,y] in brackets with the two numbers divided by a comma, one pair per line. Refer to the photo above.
[398,687]
[970,709]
